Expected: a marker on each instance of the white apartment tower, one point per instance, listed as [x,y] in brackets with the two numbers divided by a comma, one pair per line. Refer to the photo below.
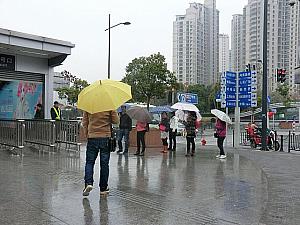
[278,37]
[237,43]
[196,44]
[294,60]
[223,53]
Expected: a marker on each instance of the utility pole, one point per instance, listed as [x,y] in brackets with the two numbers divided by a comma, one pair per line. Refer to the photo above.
[265,79]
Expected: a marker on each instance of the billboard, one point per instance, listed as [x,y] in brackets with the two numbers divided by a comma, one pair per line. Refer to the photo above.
[19,98]
[187,97]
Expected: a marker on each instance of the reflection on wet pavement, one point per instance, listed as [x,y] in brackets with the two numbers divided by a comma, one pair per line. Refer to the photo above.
[42,188]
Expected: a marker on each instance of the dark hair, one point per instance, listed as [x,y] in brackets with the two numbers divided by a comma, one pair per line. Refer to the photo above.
[193,114]
[39,105]
[56,102]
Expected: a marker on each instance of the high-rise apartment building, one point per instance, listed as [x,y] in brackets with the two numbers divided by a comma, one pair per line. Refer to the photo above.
[223,53]
[294,60]
[237,43]
[196,44]
[278,37]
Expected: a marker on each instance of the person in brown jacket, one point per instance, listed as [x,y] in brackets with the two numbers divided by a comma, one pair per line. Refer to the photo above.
[97,128]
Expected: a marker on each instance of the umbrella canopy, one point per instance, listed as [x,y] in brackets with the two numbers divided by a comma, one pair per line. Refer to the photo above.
[127,107]
[140,114]
[103,95]
[185,107]
[180,114]
[161,109]
[221,115]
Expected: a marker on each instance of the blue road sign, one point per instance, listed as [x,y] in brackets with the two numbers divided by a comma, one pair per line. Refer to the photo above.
[246,89]
[230,75]
[269,99]
[245,82]
[230,83]
[230,104]
[230,96]
[244,74]
[187,97]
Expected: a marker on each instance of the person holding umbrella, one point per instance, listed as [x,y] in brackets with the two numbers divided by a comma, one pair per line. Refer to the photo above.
[220,127]
[190,127]
[221,135]
[173,132]
[164,128]
[97,123]
[143,117]
[125,127]
[141,128]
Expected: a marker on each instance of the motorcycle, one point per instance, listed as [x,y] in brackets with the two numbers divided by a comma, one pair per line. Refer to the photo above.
[272,141]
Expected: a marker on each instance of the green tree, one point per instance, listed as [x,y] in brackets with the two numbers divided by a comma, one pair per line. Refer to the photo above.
[206,95]
[149,78]
[284,95]
[71,93]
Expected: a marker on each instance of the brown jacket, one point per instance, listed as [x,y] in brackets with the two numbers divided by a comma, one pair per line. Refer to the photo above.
[98,124]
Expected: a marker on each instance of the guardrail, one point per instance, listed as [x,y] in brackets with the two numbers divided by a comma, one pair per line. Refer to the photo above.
[40,132]
[293,142]
[68,133]
[12,133]
[50,133]
[244,139]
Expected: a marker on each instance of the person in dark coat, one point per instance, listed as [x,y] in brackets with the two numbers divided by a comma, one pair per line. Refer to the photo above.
[39,112]
[190,127]
[124,130]
[55,112]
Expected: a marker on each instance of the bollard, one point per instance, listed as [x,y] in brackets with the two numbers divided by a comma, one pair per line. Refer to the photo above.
[289,142]
[233,137]
[281,143]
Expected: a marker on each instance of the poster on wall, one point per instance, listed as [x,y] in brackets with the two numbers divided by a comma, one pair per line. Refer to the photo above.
[19,98]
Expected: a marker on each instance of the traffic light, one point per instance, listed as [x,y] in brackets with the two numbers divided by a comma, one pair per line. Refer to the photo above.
[283,78]
[281,75]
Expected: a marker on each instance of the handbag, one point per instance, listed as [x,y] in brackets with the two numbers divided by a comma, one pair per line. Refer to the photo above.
[162,127]
[216,135]
[112,141]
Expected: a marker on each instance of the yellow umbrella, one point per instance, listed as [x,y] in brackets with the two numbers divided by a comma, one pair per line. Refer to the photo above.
[103,95]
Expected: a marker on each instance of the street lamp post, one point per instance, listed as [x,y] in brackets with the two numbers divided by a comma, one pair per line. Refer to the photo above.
[265,79]
[108,29]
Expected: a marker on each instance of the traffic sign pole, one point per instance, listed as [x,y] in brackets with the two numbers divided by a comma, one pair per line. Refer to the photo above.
[226,140]
[237,116]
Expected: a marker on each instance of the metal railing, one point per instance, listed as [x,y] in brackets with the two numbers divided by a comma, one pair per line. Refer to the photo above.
[293,142]
[40,132]
[49,133]
[12,133]
[68,133]
[244,138]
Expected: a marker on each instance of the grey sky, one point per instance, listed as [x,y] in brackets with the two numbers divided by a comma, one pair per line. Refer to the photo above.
[83,23]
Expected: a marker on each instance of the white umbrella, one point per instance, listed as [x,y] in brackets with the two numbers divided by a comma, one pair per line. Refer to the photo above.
[185,107]
[182,116]
[221,115]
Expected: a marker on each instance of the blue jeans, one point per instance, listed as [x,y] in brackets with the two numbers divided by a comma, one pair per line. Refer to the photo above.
[94,146]
[123,133]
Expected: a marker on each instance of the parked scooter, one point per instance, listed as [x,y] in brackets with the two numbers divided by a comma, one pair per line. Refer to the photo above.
[272,141]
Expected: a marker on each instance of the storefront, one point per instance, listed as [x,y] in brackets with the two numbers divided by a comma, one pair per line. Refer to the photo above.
[26,72]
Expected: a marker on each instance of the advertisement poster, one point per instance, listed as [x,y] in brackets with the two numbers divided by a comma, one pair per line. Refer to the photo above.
[19,98]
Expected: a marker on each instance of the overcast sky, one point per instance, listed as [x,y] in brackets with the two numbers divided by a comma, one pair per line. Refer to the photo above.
[83,23]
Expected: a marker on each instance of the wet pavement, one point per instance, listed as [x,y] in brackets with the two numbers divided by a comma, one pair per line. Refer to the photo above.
[41,188]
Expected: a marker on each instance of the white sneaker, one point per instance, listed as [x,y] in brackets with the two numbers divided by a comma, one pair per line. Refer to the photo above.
[86,191]
[218,156]
[105,192]
[222,157]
